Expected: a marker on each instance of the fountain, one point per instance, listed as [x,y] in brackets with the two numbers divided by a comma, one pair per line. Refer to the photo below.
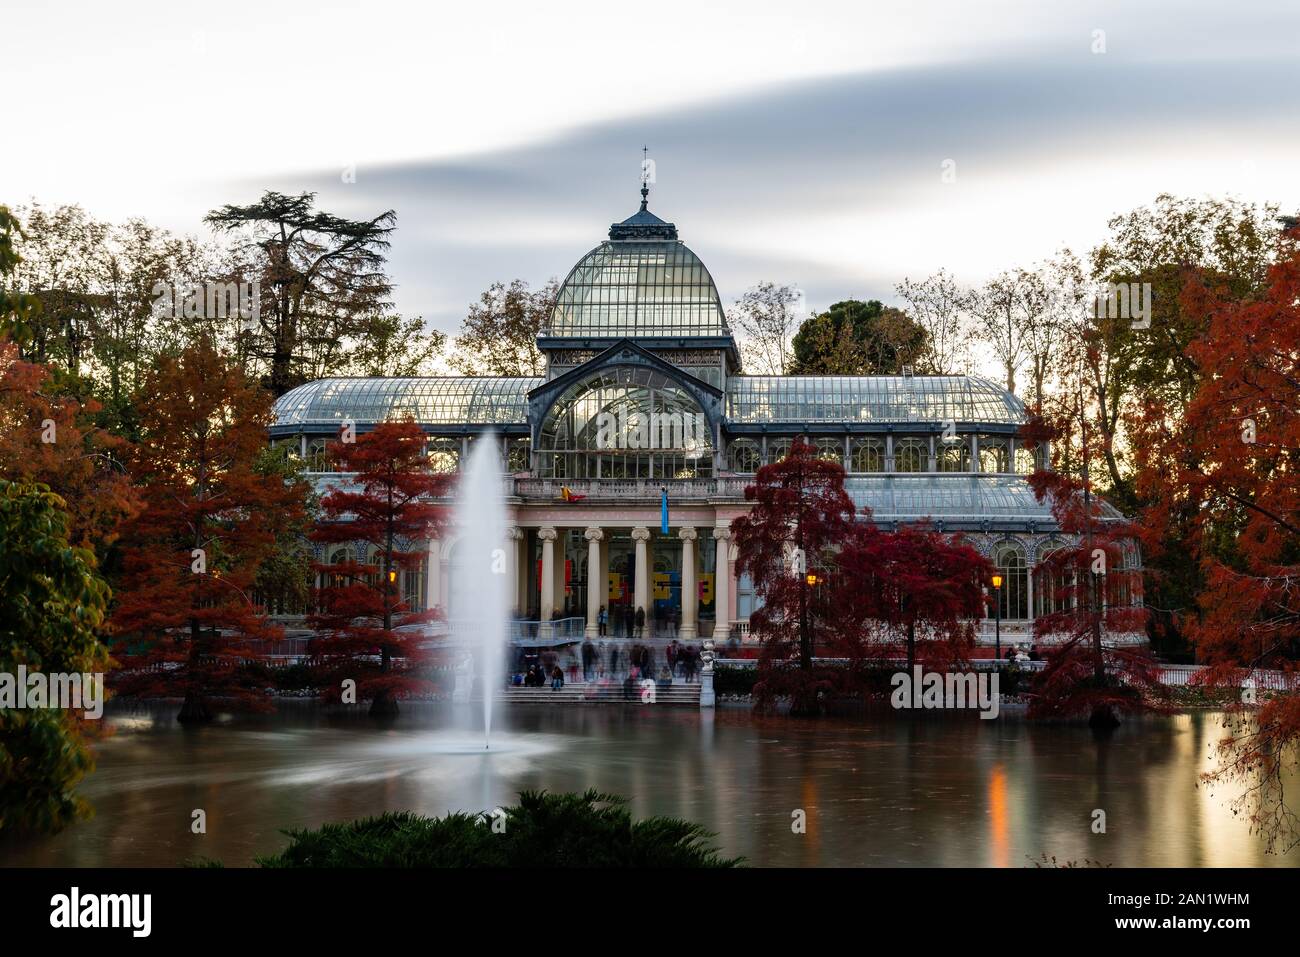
[479,575]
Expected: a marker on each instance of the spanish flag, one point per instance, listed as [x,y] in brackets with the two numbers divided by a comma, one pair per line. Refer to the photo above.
[567,495]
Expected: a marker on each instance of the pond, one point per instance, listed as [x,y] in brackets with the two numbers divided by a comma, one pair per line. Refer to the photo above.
[880,790]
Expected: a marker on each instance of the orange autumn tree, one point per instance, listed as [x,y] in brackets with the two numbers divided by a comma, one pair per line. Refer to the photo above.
[1233,462]
[51,438]
[383,514]
[184,620]
[913,593]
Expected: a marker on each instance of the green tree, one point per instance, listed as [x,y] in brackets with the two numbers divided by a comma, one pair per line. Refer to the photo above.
[18,310]
[321,281]
[499,336]
[393,345]
[764,319]
[856,338]
[52,604]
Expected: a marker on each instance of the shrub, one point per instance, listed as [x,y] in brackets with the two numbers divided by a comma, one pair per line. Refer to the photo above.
[734,680]
[543,830]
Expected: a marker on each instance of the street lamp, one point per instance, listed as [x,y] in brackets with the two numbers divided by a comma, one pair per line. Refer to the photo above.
[811,579]
[997,611]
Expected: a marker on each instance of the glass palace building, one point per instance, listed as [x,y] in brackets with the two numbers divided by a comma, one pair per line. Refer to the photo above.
[643,392]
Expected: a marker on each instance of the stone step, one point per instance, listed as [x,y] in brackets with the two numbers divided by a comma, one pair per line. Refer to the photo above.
[610,694]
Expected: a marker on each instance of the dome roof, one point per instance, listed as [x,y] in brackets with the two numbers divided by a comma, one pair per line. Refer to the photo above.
[643,282]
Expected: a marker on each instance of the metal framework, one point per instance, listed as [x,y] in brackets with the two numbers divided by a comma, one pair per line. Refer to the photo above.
[871,399]
[428,400]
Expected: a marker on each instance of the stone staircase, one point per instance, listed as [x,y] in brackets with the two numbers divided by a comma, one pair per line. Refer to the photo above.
[679,694]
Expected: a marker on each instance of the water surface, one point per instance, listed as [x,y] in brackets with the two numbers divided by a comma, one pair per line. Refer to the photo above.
[880,790]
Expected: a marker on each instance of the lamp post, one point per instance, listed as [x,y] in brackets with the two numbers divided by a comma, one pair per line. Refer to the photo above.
[997,618]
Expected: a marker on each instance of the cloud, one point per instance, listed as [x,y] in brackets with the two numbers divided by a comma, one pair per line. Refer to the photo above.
[836,184]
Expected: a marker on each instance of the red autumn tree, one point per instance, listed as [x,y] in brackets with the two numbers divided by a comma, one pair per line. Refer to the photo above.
[800,514]
[50,438]
[1233,462]
[1092,596]
[914,587]
[385,511]
[184,619]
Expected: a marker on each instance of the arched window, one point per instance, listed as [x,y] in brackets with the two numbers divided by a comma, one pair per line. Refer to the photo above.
[342,555]
[868,456]
[1054,590]
[289,449]
[744,456]
[993,455]
[1026,458]
[444,455]
[646,419]
[778,449]
[830,450]
[911,455]
[517,455]
[1010,560]
[953,456]
[1123,583]
[318,455]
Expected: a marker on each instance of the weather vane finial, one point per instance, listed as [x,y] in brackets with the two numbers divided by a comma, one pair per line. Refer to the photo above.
[645,177]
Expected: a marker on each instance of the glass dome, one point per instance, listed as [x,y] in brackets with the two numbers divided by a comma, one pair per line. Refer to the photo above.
[635,288]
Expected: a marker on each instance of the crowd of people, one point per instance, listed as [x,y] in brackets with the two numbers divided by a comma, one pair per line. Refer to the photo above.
[607,662]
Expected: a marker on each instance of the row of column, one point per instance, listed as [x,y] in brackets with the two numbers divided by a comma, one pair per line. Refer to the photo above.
[550,587]
[596,577]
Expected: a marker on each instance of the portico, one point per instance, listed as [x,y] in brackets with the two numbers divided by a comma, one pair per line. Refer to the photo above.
[569,563]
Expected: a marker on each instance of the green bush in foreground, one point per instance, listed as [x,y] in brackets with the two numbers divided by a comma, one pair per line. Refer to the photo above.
[543,830]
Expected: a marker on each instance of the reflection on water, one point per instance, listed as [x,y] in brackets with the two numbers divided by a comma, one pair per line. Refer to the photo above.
[875,791]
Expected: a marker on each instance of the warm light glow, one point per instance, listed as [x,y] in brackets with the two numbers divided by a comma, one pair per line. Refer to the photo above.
[812,579]
[392,576]
[997,581]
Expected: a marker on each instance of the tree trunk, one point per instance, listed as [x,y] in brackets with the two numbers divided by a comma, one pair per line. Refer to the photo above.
[383,704]
[1103,717]
[194,710]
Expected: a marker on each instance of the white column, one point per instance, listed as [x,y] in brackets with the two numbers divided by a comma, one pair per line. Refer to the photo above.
[444,576]
[595,580]
[547,535]
[641,589]
[722,584]
[733,585]
[690,590]
[557,602]
[513,562]
[433,576]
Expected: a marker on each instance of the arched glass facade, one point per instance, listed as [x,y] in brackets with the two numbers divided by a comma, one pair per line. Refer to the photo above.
[625,422]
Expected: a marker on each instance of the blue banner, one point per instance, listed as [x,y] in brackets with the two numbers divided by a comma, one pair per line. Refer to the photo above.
[663,511]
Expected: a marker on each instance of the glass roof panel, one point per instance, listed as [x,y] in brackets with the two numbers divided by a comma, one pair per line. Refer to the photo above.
[910,498]
[429,400]
[766,399]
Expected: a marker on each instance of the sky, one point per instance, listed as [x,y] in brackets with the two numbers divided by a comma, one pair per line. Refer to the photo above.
[835,146]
